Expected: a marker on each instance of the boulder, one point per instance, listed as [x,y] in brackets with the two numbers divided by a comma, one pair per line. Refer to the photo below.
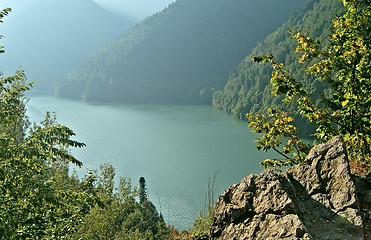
[317,199]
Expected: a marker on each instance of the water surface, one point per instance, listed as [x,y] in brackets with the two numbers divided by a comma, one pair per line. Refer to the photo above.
[176,148]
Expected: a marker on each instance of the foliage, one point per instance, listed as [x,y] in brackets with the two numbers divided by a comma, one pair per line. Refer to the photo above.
[31,206]
[122,217]
[345,68]
[275,126]
[39,200]
[3,13]
[142,190]
[38,197]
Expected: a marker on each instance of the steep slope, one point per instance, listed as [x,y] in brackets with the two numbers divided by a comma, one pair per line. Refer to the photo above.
[179,55]
[248,88]
[49,37]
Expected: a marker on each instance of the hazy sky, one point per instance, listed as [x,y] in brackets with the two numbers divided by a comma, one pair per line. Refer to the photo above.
[17,4]
[138,9]
[135,8]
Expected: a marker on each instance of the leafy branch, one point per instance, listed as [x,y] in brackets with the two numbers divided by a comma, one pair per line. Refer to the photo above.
[345,68]
[275,126]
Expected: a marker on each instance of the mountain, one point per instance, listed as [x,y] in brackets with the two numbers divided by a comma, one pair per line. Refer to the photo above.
[49,37]
[179,55]
[248,88]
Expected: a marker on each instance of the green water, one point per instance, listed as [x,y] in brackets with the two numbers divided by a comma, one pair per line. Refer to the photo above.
[176,148]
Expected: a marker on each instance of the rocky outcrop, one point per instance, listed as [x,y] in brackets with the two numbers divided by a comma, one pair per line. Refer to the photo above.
[318,199]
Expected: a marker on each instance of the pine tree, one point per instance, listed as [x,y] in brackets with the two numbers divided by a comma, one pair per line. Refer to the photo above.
[142,190]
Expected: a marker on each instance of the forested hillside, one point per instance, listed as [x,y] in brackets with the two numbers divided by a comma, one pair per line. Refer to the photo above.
[48,38]
[248,88]
[180,55]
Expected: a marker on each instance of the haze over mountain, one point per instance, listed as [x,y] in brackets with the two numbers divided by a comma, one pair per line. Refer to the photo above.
[134,9]
[180,55]
[49,37]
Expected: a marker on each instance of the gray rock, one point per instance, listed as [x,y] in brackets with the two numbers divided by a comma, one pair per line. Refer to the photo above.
[318,199]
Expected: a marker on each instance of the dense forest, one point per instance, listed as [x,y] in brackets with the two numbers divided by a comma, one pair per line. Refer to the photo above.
[59,33]
[248,88]
[179,55]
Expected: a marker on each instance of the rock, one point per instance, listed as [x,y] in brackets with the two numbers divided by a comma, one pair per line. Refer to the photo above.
[318,199]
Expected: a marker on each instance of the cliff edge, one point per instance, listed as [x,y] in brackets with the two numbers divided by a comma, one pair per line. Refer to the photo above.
[318,199]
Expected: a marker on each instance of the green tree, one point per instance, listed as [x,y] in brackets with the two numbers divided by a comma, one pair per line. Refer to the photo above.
[142,190]
[105,221]
[3,13]
[275,126]
[31,204]
[121,216]
[345,67]
[38,198]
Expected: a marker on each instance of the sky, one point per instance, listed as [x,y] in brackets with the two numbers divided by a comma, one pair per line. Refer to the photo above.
[135,8]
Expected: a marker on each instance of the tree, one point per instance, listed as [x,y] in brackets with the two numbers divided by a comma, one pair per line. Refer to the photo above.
[3,13]
[31,204]
[39,200]
[345,106]
[276,125]
[121,216]
[142,190]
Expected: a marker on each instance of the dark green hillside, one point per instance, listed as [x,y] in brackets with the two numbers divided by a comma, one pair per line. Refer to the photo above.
[179,55]
[248,88]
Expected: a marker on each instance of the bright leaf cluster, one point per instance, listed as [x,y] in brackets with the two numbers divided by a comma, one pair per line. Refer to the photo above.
[345,67]
[275,126]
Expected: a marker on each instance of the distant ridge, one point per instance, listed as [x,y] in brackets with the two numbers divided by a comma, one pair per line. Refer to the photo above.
[179,55]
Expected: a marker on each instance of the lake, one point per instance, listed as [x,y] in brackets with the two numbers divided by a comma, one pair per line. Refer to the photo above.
[175,148]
